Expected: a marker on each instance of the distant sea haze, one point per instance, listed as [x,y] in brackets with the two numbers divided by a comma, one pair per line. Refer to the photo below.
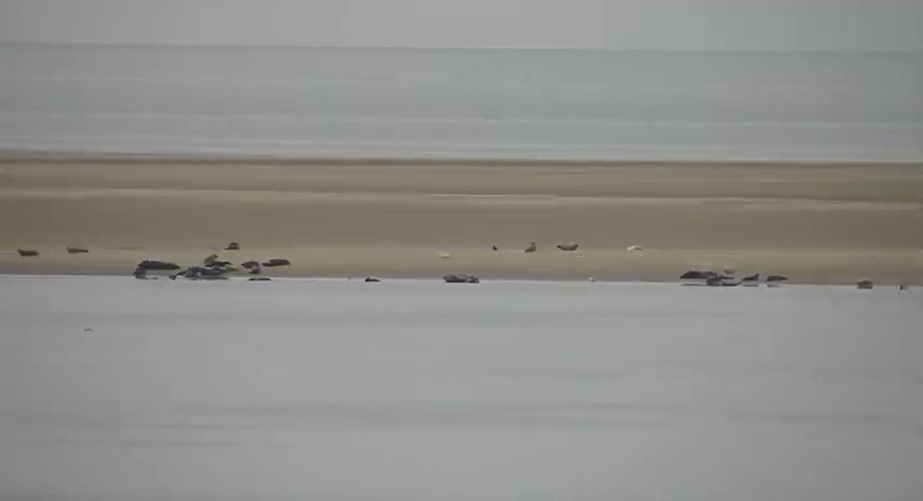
[461,103]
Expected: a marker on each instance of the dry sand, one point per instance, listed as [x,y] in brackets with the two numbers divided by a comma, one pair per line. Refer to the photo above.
[814,223]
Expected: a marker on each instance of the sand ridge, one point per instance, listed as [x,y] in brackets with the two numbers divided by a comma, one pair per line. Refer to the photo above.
[815,223]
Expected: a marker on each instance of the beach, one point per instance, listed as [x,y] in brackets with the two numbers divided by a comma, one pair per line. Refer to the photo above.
[815,223]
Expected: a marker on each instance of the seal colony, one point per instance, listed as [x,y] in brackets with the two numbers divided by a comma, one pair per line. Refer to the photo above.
[406,218]
[726,279]
[213,267]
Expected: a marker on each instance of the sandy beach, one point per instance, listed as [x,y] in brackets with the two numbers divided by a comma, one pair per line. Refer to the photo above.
[813,223]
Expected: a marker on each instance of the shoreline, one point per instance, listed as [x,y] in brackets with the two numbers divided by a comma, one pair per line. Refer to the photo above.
[814,224]
[439,280]
[804,268]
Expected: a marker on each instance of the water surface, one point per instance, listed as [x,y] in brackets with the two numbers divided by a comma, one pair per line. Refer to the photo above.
[467,103]
[116,389]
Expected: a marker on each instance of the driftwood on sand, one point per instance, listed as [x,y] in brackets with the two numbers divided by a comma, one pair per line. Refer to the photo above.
[372,280]
[77,250]
[865,284]
[568,247]
[27,252]
[532,247]
[232,246]
[276,262]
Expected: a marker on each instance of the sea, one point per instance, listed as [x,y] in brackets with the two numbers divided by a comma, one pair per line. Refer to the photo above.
[115,389]
[462,103]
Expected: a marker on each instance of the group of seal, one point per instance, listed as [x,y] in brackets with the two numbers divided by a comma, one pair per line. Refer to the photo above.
[726,279]
[533,247]
[714,279]
[35,253]
[211,268]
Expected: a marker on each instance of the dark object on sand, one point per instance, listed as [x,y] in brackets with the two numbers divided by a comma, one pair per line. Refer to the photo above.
[532,247]
[259,279]
[461,279]
[209,272]
[77,250]
[712,279]
[152,265]
[232,246]
[202,273]
[904,287]
[568,247]
[698,275]
[253,266]
[219,264]
[865,284]
[27,252]
[210,259]
[721,281]
[372,280]
[751,280]
[140,273]
[276,262]
[187,273]
[776,280]
[495,248]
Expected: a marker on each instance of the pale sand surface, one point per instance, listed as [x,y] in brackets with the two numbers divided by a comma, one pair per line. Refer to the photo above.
[814,223]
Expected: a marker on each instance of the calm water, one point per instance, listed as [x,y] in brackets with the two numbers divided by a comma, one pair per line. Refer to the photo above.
[421,390]
[462,103]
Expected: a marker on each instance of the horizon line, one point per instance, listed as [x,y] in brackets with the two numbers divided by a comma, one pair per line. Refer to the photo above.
[77,156]
[213,45]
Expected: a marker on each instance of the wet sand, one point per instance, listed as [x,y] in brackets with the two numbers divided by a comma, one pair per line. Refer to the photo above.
[814,223]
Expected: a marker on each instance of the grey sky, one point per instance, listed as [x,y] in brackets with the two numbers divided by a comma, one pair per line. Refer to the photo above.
[848,25]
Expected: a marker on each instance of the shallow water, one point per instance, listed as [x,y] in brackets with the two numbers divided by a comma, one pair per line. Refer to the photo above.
[462,103]
[116,389]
